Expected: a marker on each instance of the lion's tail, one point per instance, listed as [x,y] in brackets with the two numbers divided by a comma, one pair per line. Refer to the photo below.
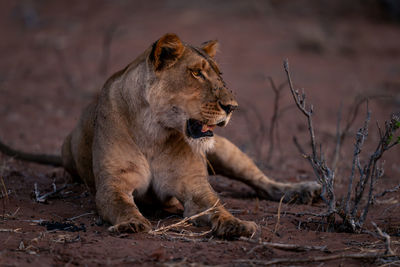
[52,160]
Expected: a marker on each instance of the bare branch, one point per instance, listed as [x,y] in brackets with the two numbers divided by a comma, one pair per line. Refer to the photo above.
[336,153]
[371,172]
[360,138]
[274,118]
[300,102]
[323,173]
[392,190]
[299,147]
[368,174]
[298,214]
[354,110]
[385,237]
[377,172]
[281,246]
[316,259]
[257,134]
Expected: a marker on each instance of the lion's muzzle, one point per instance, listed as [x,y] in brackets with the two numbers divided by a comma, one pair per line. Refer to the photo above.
[228,108]
[196,129]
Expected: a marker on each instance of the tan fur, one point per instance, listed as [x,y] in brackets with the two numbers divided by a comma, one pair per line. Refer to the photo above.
[133,139]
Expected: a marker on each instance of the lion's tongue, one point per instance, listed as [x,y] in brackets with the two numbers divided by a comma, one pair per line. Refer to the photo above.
[206,128]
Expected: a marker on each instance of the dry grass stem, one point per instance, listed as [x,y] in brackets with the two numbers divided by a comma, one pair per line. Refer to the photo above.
[17,230]
[187,233]
[279,214]
[185,239]
[82,215]
[316,259]
[43,198]
[9,215]
[185,222]
[4,192]
[287,247]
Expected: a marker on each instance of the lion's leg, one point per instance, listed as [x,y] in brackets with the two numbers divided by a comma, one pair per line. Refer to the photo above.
[200,196]
[115,203]
[190,186]
[121,172]
[227,159]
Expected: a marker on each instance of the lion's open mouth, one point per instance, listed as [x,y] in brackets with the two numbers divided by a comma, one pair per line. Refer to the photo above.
[196,129]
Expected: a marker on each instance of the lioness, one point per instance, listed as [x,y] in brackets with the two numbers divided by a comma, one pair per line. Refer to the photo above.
[149,133]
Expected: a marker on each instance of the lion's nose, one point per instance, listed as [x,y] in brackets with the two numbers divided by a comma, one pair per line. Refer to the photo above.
[227,108]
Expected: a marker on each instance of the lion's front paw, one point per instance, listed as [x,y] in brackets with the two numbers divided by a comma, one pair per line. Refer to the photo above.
[131,226]
[304,193]
[230,228]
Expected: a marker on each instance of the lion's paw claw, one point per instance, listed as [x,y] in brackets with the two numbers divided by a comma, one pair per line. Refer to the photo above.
[131,226]
[234,228]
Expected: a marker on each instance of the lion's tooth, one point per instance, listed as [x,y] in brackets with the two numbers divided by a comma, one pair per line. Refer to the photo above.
[206,128]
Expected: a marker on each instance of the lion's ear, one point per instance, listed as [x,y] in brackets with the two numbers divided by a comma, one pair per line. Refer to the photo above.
[166,51]
[210,47]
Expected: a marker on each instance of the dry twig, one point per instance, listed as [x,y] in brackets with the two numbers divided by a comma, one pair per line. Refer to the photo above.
[316,259]
[367,175]
[274,119]
[185,221]
[392,190]
[4,194]
[17,230]
[257,129]
[325,176]
[385,237]
[339,141]
[43,198]
[9,215]
[341,135]
[281,246]
[79,216]
[360,138]
[371,171]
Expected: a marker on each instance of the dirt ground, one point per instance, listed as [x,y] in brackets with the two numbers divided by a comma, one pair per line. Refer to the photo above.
[55,55]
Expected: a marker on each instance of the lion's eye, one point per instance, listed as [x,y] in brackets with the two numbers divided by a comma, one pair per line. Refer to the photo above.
[197,73]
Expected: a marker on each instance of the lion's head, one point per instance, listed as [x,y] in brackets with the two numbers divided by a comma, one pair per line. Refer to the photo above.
[188,93]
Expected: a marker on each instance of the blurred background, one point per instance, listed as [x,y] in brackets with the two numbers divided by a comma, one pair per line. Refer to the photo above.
[55,56]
